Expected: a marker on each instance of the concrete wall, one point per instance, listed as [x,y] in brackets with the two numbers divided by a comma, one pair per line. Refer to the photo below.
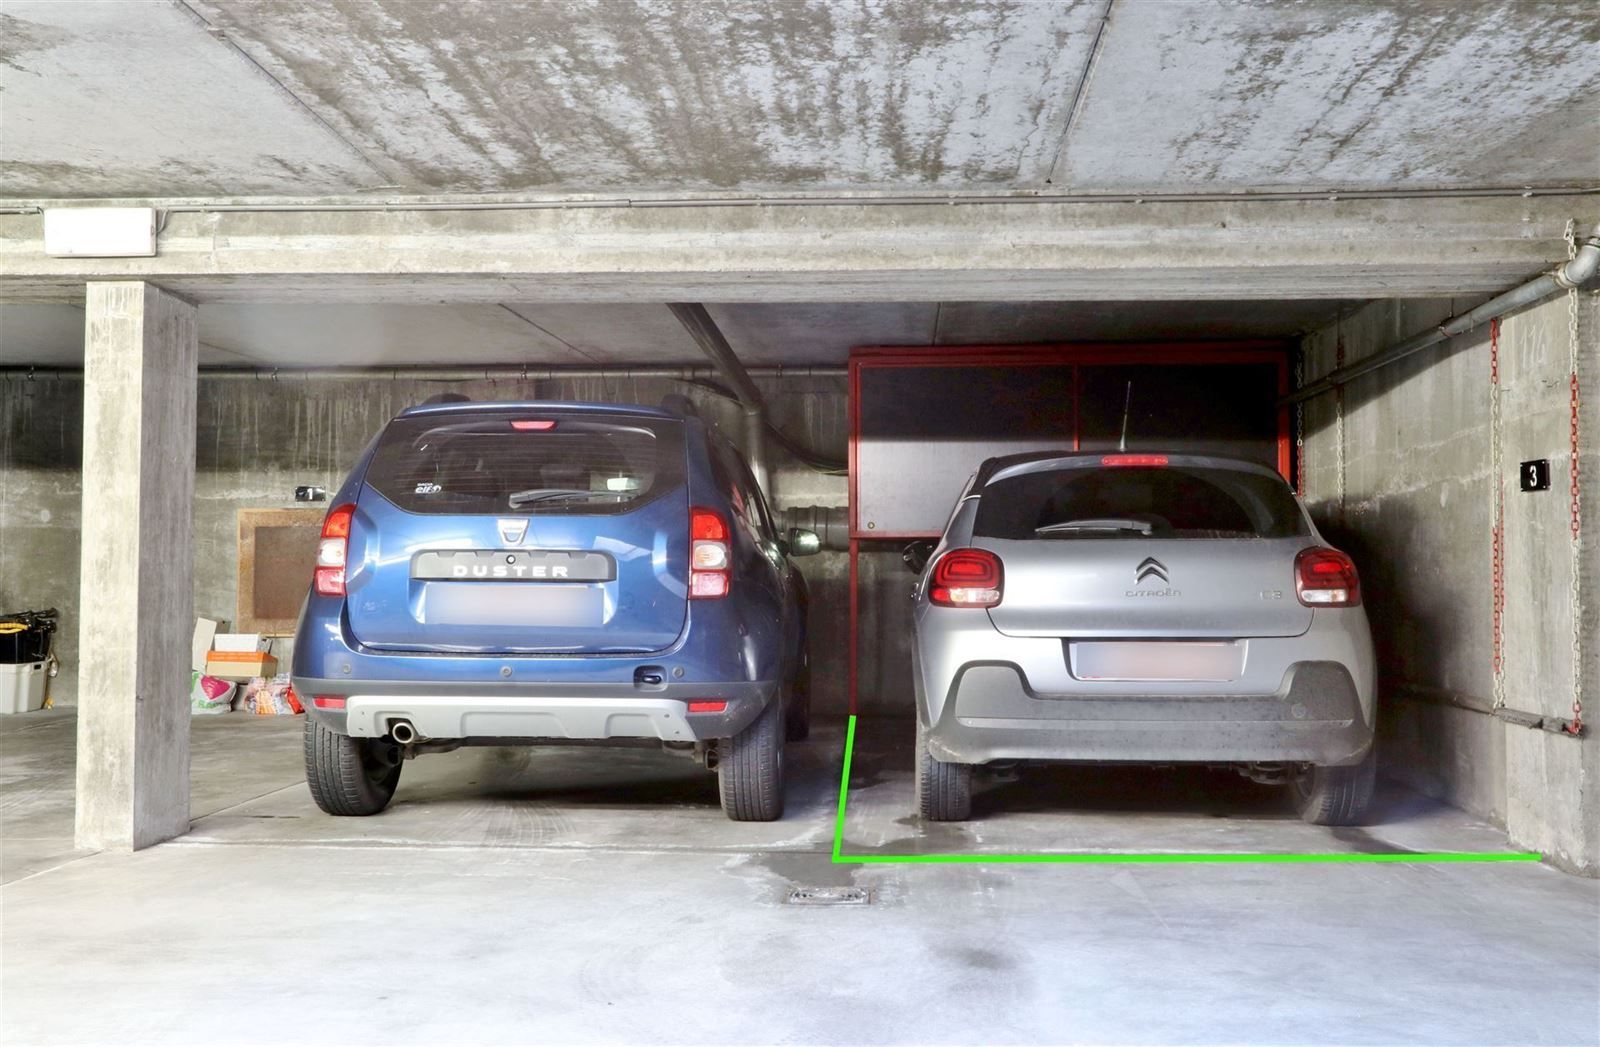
[41,501]
[1408,491]
[258,439]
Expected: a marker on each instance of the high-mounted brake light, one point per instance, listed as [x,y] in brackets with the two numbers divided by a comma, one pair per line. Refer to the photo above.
[533,425]
[1148,460]
[332,551]
[1326,578]
[710,556]
[967,578]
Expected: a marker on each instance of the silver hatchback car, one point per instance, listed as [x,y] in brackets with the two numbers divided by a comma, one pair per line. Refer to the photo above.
[1141,608]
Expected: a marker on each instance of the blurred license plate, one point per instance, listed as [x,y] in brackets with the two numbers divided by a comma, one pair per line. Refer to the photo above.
[472,603]
[1157,660]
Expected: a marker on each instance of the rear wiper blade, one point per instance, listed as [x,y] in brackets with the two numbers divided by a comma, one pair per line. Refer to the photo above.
[1136,526]
[549,494]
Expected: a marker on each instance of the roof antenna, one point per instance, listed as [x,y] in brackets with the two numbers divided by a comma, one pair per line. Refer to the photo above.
[1127,401]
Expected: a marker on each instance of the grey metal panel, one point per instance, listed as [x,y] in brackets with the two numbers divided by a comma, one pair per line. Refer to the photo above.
[924,430]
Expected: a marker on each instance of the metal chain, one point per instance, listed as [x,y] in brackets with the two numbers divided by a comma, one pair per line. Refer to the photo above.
[1300,426]
[1497,520]
[1573,350]
[1338,419]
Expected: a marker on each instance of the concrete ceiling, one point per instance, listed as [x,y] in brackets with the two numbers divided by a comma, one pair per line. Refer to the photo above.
[545,335]
[301,97]
[204,99]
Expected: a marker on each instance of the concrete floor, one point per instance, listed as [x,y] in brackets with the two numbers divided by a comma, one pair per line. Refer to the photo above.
[547,896]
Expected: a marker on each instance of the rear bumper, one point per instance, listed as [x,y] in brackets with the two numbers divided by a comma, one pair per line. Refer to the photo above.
[532,712]
[1315,716]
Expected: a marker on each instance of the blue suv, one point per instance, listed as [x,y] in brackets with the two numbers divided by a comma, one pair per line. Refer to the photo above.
[519,573]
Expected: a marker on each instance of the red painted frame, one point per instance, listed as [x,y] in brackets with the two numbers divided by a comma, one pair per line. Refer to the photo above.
[1076,354]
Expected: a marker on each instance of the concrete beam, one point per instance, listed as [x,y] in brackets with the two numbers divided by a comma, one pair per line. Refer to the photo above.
[137,564]
[859,249]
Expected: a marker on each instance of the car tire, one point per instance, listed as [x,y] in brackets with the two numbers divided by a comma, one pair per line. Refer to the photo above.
[350,776]
[797,721]
[1337,795]
[750,768]
[944,790]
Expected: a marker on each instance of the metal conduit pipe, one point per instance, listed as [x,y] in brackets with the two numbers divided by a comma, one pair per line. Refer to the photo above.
[1578,271]
[831,523]
[704,330]
[412,202]
[460,374]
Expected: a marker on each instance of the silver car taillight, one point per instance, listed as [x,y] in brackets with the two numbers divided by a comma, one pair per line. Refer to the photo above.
[967,578]
[1326,578]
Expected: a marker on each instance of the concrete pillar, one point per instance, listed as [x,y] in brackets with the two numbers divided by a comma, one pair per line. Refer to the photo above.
[137,608]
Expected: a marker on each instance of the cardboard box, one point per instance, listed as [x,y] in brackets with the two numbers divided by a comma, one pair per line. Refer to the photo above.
[240,665]
[205,630]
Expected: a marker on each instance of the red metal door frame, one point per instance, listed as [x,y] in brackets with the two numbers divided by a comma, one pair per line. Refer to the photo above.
[1075,354]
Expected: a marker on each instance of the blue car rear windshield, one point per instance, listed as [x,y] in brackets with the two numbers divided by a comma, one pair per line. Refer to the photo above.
[526,463]
[1137,502]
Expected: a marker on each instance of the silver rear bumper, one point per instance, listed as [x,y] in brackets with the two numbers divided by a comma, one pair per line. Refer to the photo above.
[1315,716]
[529,710]
[519,716]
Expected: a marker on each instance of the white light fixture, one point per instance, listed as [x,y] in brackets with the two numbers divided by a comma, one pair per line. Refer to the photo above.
[100,232]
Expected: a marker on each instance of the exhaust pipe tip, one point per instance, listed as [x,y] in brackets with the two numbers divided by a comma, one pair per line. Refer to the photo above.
[402,732]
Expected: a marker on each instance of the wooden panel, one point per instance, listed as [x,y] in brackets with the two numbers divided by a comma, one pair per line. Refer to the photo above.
[277,550]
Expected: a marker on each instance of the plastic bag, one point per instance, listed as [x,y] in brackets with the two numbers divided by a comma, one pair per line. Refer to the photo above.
[209,695]
[273,697]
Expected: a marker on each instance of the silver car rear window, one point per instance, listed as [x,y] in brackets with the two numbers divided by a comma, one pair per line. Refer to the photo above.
[526,462]
[1138,502]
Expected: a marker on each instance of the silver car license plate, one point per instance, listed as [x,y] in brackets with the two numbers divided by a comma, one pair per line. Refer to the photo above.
[1157,660]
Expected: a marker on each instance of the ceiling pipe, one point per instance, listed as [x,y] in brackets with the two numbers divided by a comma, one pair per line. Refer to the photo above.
[457,374]
[831,523]
[1574,273]
[704,330]
[411,202]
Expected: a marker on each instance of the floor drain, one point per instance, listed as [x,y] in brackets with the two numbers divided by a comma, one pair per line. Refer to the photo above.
[829,896]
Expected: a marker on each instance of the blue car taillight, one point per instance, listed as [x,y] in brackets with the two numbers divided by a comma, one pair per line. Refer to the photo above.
[332,551]
[710,555]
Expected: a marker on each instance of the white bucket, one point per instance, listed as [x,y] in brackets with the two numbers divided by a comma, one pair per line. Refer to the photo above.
[21,687]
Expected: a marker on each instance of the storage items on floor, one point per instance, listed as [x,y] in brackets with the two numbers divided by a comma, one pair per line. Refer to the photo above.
[21,687]
[209,695]
[239,657]
[25,659]
[237,671]
[273,697]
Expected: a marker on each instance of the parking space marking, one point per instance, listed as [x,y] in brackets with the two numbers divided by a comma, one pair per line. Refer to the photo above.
[1131,857]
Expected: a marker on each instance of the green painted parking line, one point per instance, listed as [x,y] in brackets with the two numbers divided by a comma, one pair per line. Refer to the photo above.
[1128,858]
